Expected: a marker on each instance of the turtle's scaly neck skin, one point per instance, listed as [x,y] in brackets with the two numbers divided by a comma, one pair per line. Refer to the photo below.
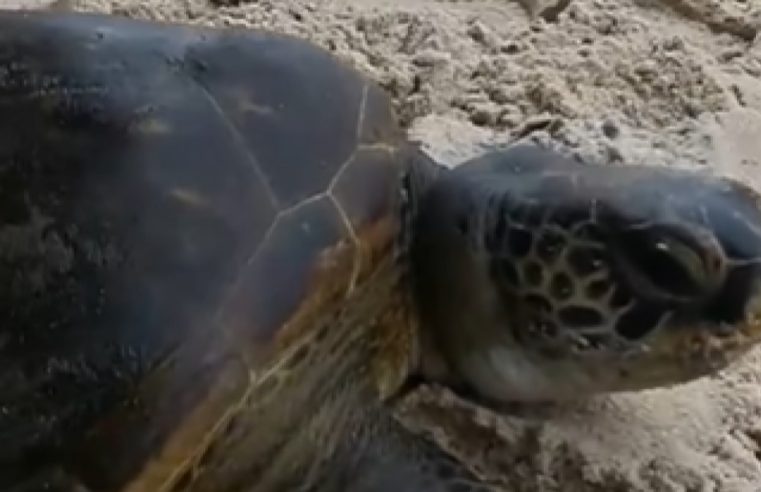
[314,420]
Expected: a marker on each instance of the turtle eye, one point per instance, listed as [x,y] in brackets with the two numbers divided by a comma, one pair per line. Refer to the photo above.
[662,262]
[687,259]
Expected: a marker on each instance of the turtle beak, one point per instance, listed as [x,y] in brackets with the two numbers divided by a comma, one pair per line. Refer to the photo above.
[736,306]
[753,323]
[737,226]
[750,330]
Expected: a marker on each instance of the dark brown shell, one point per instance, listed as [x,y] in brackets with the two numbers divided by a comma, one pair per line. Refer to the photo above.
[168,195]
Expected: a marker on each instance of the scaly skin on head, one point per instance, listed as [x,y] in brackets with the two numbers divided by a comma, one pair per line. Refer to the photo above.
[541,278]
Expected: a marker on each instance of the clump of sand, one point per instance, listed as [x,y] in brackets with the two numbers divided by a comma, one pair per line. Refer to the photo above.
[673,83]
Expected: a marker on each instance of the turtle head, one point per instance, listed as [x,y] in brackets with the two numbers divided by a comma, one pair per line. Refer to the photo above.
[542,278]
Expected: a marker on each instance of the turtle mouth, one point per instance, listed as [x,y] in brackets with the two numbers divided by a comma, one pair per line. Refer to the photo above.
[687,351]
[713,346]
[750,329]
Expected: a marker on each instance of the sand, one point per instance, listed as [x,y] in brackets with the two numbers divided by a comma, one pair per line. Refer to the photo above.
[673,83]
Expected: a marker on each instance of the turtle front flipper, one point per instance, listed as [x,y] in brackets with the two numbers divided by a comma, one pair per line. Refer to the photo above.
[398,460]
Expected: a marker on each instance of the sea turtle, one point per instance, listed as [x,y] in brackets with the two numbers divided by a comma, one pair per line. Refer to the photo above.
[223,263]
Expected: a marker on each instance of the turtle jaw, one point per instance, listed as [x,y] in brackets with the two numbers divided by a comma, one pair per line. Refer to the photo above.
[504,372]
[674,353]
[683,348]
[708,347]
[679,355]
